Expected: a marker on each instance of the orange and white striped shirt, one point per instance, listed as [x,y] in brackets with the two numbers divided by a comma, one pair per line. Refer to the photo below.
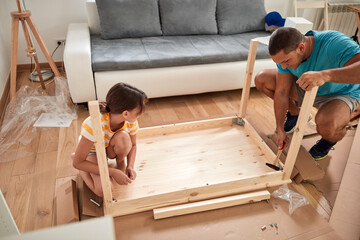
[87,130]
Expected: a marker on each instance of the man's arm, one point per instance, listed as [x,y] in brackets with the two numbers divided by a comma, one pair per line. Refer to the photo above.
[284,83]
[349,74]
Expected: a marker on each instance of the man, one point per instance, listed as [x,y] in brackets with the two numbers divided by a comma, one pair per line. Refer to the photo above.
[327,59]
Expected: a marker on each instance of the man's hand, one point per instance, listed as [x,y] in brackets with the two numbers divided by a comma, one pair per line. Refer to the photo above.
[281,139]
[119,176]
[130,172]
[312,79]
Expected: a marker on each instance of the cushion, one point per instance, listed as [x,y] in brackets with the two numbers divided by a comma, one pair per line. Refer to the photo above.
[171,51]
[238,16]
[128,18]
[188,17]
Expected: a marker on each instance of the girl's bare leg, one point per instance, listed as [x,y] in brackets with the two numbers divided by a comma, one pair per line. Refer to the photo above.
[119,147]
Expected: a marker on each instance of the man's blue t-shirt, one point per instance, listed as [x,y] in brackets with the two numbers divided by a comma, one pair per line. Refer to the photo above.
[331,50]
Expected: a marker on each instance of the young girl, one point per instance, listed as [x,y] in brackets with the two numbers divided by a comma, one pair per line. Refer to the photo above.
[119,114]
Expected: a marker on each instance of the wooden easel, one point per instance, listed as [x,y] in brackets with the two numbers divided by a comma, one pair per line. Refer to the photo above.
[25,18]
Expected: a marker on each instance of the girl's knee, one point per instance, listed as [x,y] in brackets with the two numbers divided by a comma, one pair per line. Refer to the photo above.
[121,142]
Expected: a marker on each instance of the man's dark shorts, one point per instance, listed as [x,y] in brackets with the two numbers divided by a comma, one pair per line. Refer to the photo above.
[353,103]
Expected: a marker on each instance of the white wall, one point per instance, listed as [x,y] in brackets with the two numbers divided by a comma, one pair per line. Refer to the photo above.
[51,18]
[5,39]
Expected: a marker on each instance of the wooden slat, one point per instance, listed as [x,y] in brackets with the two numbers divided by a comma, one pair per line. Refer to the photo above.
[211,204]
[248,76]
[212,190]
[183,127]
[101,155]
[299,131]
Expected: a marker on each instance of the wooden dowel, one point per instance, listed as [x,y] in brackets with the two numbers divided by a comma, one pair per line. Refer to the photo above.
[248,76]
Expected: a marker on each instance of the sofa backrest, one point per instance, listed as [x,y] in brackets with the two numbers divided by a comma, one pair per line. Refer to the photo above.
[93,17]
[227,18]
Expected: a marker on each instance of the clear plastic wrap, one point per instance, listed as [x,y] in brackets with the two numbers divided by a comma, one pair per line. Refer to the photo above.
[17,131]
[295,199]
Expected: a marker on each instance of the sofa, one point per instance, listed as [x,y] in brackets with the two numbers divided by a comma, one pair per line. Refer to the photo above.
[164,47]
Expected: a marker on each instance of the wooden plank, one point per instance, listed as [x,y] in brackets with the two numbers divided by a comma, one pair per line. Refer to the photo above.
[67,206]
[183,127]
[40,213]
[248,77]
[211,190]
[211,204]
[101,155]
[49,138]
[299,131]
[67,140]
[26,155]
[18,198]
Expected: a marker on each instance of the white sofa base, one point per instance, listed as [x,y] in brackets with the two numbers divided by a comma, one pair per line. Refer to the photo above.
[85,85]
[172,81]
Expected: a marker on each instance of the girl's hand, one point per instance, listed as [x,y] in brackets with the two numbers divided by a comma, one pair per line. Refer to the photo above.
[120,177]
[130,172]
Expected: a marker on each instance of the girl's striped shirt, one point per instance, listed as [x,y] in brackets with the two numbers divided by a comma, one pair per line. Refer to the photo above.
[87,130]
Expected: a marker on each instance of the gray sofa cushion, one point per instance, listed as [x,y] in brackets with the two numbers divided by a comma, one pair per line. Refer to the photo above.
[188,17]
[128,18]
[238,16]
[168,51]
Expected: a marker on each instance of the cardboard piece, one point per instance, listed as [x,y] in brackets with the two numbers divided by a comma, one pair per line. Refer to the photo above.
[88,207]
[66,202]
[345,217]
[239,222]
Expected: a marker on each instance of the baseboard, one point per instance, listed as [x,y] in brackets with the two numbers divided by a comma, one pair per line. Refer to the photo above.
[5,98]
[45,65]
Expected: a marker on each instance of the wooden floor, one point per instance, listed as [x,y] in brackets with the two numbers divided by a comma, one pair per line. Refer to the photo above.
[29,183]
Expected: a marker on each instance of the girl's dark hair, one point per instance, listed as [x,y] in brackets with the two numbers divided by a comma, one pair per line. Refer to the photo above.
[285,38]
[123,97]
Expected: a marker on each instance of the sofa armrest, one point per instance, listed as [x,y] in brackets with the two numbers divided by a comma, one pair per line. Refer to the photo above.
[77,60]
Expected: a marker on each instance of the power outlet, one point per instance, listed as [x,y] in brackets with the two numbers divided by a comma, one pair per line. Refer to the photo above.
[60,42]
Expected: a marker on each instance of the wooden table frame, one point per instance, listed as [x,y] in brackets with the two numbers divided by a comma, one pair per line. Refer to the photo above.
[244,184]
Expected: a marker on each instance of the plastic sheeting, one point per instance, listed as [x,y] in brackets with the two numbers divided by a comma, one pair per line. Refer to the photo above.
[295,199]
[17,131]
